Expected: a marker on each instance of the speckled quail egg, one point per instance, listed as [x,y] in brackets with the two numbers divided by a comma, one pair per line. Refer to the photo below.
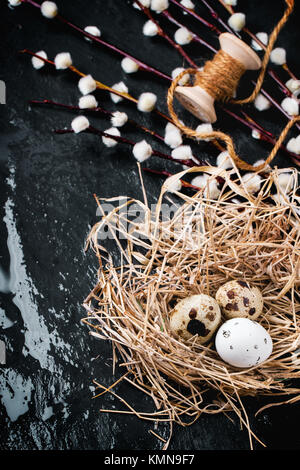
[196,315]
[242,342]
[240,299]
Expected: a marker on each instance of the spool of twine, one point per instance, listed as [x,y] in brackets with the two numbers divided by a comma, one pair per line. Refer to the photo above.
[219,78]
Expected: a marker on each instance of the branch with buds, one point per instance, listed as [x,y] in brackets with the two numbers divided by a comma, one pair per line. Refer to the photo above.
[146,102]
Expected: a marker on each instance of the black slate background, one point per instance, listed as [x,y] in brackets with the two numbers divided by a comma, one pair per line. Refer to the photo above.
[53,209]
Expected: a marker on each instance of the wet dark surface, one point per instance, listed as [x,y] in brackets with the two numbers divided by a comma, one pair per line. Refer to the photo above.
[47,209]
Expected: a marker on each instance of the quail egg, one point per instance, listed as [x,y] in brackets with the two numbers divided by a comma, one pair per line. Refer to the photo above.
[242,342]
[195,315]
[240,299]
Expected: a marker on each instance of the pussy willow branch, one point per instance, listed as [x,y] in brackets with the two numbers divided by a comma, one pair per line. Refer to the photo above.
[198,17]
[124,140]
[142,65]
[230,10]
[217,17]
[100,85]
[164,35]
[104,87]
[276,104]
[282,86]
[126,95]
[97,110]
[196,38]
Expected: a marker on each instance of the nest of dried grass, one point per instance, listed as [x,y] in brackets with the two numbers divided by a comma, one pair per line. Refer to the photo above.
[204,244]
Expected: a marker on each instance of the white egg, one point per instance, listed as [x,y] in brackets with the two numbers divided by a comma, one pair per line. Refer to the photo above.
[243,343]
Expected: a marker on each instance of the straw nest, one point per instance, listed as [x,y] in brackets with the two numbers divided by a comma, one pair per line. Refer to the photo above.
[203,245]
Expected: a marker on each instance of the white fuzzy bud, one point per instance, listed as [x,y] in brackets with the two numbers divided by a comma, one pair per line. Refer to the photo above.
[63,60]
[38,63]
[278,56]
[263,37]
[183,36]
[119,119]
[205,128]
[224,160]
[79,124]
[14,3]
[291,106]
[150,29]
[111,142]
[49,9]
[237,21]
[210,186]
[171,127]
[252,182]
[280,199]
[200,181]
[121,87]
[145,3]
[261,162]
[87,102]
[142,151]
[232,3]
[293,85]
[172,136]
[93,31]
[159,5]
[183,152]
[261,103]
[211,191]
[293,145]
[87,85]
[188,4]
[129,65]
[173,139]
[255,134]
[185,78]
[172,186]
[146,102]
[286,181]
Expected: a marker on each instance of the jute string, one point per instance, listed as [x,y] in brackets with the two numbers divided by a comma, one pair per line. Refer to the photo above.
[219,78]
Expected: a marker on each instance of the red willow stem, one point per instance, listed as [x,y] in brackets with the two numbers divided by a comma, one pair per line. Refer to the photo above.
[198,17]
[124,140]
[215,15]
[283,86]
[196,38]
[258,126]
[163,34]
[143,66]
[277,105]
[98,109]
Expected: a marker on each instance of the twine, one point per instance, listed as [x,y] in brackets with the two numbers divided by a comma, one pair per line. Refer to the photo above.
[219,78]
